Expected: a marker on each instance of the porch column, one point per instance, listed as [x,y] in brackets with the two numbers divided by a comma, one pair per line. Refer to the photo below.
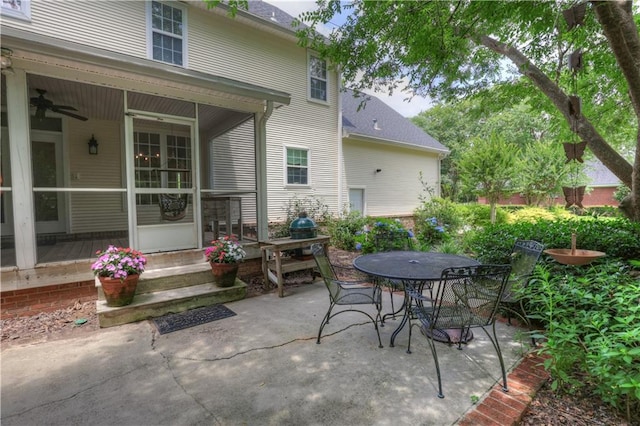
[21,173]
[262,210]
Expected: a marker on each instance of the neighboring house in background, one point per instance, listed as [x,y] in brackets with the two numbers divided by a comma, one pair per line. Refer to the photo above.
[602,185]
[153,124]
[384,155]
[599,192]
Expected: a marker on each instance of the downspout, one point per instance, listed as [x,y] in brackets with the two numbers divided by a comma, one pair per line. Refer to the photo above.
[439,180]
[260,129]
[341,165]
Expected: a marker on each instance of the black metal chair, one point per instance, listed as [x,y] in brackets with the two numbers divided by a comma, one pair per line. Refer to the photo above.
[524,256]
[392,240]
[346,293]
[463,299]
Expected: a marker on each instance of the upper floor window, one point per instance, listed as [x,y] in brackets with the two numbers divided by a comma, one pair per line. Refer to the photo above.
[317,78]
[167,33]
[297,166]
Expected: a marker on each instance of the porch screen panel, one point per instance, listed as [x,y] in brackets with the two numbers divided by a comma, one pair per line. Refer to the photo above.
[231,171]
[7,241]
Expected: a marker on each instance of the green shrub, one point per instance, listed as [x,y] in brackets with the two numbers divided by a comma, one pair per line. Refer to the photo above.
[314,207]
[396,236]
[479,215]
[591,322]
[343,230]
[435,221]
[617,237]
[531,214]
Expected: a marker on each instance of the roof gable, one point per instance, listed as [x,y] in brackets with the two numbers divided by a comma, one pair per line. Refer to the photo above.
[378,120]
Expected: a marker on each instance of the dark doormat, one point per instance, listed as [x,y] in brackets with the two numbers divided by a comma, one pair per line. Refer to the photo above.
[173,322]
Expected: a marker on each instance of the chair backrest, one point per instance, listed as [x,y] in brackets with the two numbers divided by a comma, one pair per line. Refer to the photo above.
[524,256]
[326,270]
[468,296]
[392,240]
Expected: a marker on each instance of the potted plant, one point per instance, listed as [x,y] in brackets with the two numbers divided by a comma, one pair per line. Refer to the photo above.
[224,255]
[118,270]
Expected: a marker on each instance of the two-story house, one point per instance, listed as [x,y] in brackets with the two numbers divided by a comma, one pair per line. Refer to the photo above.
[154,124]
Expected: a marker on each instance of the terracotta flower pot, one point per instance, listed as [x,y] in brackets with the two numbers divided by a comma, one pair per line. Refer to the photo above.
[119,292]
[224,274]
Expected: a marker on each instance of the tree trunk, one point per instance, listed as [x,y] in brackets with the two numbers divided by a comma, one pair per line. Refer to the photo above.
[621,31]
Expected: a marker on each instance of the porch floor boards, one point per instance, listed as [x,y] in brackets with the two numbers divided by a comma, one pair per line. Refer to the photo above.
[64,251]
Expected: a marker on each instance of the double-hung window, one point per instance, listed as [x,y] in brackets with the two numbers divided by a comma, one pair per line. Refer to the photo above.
[297,166]
[318,83]
[167,32]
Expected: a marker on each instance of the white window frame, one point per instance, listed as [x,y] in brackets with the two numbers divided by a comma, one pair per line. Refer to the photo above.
[286,166]
[183,37]
[311,55]
[20,9]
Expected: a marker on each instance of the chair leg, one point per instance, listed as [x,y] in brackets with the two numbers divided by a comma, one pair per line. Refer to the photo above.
[496,346]
[432,346]
[324,322]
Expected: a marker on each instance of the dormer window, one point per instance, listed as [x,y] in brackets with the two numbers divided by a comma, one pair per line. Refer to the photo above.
[167,32]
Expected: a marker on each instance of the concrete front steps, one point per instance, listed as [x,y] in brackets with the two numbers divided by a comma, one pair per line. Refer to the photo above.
[169,290]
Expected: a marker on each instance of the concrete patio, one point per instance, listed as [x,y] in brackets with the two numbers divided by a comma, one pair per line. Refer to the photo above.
[261,366]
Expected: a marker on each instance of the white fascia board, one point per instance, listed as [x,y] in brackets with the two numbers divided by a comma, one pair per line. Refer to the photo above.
[367,138]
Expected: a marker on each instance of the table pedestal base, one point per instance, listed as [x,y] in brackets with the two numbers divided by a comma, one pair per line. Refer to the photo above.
[449,335]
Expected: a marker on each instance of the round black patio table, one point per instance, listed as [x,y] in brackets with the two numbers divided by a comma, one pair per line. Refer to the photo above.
[418,268]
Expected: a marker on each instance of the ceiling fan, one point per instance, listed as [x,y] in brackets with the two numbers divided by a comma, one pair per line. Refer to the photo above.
[43,104]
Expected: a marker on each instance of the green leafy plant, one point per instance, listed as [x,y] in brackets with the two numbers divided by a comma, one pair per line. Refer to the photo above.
[315,208]
[390,232]
[590,320]
[343,230]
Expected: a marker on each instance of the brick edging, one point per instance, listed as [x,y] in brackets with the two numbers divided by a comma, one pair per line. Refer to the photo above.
[507,408]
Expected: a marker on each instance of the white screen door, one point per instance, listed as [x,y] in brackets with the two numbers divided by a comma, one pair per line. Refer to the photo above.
[164,159]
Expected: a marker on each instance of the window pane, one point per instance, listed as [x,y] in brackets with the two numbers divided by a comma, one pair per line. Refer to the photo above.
[156,8]
[156,22]
[297,160]
[318,68]
[318,89]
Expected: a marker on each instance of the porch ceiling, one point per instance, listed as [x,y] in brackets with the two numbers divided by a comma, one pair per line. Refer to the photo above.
[105,103]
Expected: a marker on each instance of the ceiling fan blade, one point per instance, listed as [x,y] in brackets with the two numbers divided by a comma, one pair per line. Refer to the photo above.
[67,107]
[70,114]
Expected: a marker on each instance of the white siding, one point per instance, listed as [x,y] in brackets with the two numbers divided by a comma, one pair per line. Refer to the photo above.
[395,190]
[105,170]
[118,26]
[223,47]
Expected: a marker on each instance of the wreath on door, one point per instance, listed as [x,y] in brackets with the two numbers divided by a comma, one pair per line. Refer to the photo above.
[173,206]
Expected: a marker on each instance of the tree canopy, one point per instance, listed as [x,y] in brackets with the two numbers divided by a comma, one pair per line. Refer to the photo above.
[451,49]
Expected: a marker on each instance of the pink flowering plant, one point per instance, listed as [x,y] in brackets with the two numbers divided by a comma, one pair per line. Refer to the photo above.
[225,250]
[119,263]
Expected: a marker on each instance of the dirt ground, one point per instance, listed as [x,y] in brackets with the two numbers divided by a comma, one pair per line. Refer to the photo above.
[548,408]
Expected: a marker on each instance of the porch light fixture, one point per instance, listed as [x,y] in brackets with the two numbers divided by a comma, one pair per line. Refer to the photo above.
[378,170]
[93,146]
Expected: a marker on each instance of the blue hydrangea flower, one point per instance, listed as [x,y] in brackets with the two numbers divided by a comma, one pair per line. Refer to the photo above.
[358,246]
